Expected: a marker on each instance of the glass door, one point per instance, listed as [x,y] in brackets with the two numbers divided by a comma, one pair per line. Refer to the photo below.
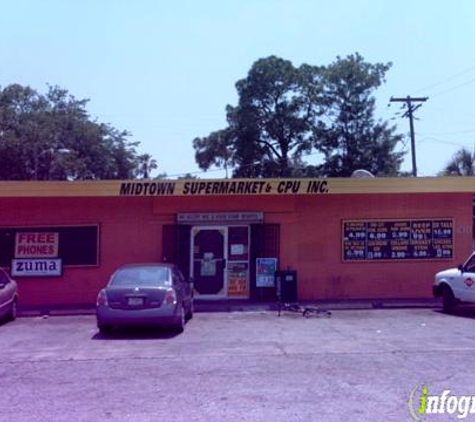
[209,256]
[238,262]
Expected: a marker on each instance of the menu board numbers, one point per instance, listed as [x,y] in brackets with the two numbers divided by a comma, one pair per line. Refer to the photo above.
[397,239]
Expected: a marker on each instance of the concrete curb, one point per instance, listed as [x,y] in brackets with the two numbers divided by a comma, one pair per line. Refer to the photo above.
[247,306]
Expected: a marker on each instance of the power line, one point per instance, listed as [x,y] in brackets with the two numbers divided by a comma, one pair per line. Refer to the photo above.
[411,108]
[444,81]
[440,141]
[460,132]
[454,87]
[465,112]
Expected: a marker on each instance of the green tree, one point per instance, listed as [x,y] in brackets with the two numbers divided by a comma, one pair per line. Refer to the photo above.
[187,176]
[145,165]
[353,139]
[216,149]
[285,113]
[270,128]
[461,164]
[273,120]
[51,136]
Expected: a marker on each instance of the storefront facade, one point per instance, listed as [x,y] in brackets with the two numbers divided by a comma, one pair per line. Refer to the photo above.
[346,238]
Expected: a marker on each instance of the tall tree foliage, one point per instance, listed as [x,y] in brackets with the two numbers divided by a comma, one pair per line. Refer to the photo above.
[216,149]
[273,119]
[269,129]
[461,164]
[285,113]
[353,139]
[51,136]
[145,165]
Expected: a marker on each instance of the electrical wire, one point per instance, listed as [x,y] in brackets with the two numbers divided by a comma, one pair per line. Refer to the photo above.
[453,88]
[440,141]
[444,81]
[462,132]
[455,110]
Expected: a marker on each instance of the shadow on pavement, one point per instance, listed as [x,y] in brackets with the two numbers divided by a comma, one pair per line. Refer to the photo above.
[136,333]
[460,311]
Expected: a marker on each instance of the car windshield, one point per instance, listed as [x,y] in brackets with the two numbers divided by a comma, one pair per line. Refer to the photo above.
[142,276]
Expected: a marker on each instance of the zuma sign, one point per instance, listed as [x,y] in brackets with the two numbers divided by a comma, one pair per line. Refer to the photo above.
[36,267]
[36,255]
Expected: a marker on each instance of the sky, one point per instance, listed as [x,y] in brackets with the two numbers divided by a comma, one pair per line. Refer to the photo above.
[165,70]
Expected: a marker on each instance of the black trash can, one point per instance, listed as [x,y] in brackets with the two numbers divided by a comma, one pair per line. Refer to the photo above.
[286,286]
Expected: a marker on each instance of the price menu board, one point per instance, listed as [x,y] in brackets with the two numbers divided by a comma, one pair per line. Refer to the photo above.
[375,240]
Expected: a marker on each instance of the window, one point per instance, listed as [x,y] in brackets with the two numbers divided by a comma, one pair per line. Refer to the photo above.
[470,267]
[77,245]
[141,276]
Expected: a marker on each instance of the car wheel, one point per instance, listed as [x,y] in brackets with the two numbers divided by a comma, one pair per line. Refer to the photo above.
[190,312]
[104,329]
[13,311]
[181,321]
[447,299]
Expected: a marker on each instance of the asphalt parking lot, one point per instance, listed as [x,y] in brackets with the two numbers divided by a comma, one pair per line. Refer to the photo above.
[359,365]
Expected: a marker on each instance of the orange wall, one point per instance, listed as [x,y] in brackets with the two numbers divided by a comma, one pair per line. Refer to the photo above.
[314,245]
[128,232]
[311,239]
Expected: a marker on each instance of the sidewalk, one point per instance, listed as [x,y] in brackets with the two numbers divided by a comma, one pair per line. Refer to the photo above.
[247,305]
[236,305]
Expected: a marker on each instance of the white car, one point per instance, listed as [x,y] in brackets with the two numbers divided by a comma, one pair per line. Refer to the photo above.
[456,285]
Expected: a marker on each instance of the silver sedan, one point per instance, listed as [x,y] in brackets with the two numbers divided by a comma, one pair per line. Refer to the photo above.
[8,296]
[145,294]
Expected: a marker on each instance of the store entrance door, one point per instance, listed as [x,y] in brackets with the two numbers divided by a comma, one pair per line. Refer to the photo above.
[208,257]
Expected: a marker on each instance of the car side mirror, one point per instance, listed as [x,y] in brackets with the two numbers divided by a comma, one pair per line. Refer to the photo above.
[460,268]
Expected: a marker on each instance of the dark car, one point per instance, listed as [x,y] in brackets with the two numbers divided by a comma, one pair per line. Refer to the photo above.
[144,295]
[8,296]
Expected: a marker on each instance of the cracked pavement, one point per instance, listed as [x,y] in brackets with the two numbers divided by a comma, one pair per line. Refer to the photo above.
[244,366]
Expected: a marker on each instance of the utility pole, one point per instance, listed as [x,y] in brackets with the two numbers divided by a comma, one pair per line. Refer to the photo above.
[410,114]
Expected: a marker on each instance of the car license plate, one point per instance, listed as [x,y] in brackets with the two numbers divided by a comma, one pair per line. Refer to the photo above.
[135,301]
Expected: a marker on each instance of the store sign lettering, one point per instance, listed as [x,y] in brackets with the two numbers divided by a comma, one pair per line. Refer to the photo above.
[226,187]
[36,267]
[36,245]
[221,217]
[147,188]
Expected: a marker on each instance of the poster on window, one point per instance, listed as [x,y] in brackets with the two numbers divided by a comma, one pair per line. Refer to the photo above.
[36,244]
[238,279]
[265,272]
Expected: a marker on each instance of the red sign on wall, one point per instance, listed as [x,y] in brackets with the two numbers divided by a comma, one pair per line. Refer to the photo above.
[36,244]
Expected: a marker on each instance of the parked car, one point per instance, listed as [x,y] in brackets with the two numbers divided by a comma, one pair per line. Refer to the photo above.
[145,294]
[8,296]
[456,285]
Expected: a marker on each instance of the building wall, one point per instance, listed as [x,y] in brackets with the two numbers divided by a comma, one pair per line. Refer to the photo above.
[129,232]
[311,239]
[315,245]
